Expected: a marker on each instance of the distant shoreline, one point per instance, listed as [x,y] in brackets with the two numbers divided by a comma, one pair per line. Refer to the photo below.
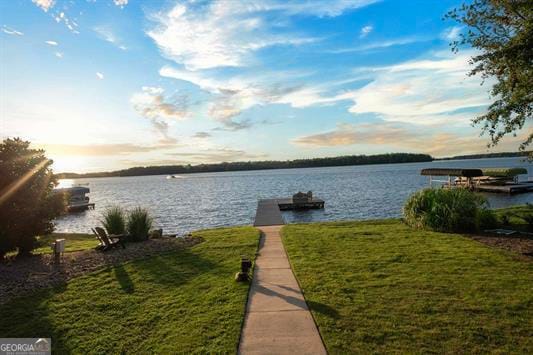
[349,160]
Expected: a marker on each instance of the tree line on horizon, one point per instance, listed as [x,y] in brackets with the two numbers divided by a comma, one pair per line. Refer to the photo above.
[389,158]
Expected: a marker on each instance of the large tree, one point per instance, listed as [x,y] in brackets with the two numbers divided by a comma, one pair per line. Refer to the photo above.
[502,31]
[27,202]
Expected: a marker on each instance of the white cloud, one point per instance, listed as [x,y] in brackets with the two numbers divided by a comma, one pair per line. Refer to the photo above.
[59,54]
[120,3]
[382,44]
[62,17]
[421,91]
[99,75]
[365,31]
[400,136]
[227,33]
[44,4]
[51,43]
[105,33]
[217,155]
[232,96]
[451,33]
[152,104]
[11,31]
[319,8]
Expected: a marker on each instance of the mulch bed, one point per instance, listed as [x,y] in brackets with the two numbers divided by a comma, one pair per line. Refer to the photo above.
[521,244]
[25,275]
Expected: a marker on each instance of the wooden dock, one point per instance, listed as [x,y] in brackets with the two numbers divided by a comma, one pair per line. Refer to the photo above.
[269,211]
[509,188]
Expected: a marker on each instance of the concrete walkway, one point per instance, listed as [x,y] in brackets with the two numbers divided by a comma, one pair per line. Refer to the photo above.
[277,319]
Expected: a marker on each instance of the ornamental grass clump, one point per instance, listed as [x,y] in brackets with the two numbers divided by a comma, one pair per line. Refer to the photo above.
[448,210]
[114,220]
[139,224]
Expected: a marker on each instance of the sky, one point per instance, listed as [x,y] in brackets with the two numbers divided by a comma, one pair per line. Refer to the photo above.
[110,84]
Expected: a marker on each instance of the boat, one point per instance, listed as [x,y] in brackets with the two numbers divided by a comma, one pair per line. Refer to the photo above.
[77,199]
[174,177]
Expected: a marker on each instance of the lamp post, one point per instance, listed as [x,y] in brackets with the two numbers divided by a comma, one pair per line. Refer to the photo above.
[244,274]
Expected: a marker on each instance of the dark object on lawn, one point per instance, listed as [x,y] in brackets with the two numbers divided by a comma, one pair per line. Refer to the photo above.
[58,248]
[156,233]
[108,241]
[244,274]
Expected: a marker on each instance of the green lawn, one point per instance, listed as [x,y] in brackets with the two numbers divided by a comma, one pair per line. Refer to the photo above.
[185,301]
[515,213]
[381,286]
[74,242]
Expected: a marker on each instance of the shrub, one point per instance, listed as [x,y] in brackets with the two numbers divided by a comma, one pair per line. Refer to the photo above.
[114,220]
[528,218]
[505,219]
[139,224]
[445,210]
[29,205]
[487,219]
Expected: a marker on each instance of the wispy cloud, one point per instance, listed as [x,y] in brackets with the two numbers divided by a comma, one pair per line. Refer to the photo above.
[348,134]
[101,149]
[45,5]
[365,31]
[99,75]
[451,33]
[420,91]
[217,155]
[51,43]
[319,8]
[11,31]
[58,54]
[201,135]
[153,105]
[398,136]
[226,33]
[120,3]
[232,96]
[382,44]
[107,34]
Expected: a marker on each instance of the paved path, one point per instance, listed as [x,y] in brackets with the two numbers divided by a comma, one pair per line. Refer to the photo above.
[277,319]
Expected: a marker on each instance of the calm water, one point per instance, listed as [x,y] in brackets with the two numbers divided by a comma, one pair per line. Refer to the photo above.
[206,200]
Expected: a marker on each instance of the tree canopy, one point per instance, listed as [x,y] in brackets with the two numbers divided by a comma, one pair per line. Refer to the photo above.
[27,202]
[390,158]
[502,30]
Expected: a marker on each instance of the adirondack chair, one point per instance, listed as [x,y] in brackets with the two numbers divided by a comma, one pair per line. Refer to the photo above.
[108,241]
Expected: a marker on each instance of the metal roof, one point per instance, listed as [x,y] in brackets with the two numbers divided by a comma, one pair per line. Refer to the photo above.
[451,172]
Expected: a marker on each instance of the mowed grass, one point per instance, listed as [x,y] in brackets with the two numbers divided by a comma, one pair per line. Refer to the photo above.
[74,242]
[185,301]
[383,287]
[514,213]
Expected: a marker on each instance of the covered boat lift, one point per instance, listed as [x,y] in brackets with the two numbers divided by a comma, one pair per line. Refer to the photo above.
[483,180]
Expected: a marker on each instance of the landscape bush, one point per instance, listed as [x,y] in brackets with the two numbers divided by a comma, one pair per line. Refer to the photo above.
[139,224]
[28,204]
[448,210]
[114,220]
[487,219]
[505,219]
[527,215]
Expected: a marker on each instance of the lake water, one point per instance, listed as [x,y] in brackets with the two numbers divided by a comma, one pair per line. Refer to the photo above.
[206,200]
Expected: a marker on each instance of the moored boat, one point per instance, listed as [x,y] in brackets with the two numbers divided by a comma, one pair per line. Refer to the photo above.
[77,199]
